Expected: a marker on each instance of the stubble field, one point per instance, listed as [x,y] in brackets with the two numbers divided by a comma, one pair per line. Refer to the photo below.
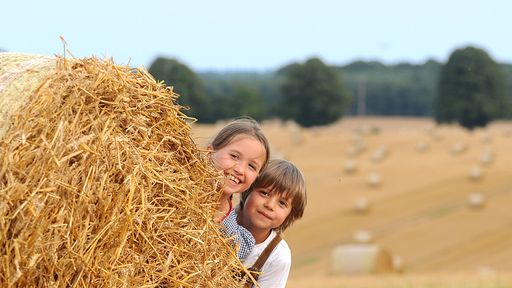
[436,198]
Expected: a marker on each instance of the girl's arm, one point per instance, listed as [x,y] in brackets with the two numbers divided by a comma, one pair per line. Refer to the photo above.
[242,236]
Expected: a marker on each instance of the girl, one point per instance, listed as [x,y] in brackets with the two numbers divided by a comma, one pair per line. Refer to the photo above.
[240,150]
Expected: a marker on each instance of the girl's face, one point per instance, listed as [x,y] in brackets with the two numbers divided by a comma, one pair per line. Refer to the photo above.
[265,209]
[241,161]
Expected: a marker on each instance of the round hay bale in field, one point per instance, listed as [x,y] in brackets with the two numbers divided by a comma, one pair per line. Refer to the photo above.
[486,138]
[486,157]
[20,75]
[361,205]
[350,166]
[374,179]
[101,183]
[360,259]
[476,173]
[379,154]
[476,200]
[458,148]
[363,237]
[421,146]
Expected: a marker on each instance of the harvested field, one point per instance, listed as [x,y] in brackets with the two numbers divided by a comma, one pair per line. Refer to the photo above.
[420,210]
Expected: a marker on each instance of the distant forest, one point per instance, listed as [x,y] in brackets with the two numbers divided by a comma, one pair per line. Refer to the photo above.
[375,88]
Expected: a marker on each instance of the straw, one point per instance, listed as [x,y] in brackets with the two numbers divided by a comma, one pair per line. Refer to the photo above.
[101,185]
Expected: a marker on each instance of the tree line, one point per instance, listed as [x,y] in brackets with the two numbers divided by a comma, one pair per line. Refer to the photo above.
[470,89]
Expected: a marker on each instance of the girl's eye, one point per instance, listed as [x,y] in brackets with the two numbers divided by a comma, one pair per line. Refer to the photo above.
[234,156]
[253,167]
[283,203]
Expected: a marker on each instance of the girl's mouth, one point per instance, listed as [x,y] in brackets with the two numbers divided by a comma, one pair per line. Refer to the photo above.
[233,178]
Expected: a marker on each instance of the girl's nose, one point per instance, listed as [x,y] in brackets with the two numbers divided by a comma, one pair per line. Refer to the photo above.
[239,168]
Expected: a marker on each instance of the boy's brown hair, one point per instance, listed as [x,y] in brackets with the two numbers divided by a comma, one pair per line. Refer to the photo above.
[241,126]
[285,178]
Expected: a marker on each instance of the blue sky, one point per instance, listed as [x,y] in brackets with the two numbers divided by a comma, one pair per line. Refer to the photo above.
[258,35]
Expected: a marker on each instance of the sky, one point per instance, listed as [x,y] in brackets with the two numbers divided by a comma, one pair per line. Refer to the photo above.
[263,35]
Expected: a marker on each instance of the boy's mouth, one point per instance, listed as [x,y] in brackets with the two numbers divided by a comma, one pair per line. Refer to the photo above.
[265,215]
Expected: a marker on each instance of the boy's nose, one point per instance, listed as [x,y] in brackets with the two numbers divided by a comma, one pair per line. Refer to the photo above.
[270,204]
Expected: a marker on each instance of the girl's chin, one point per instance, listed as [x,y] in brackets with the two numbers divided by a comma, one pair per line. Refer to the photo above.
[234,188]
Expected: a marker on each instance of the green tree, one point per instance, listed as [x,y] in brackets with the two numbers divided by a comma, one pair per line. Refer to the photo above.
[247,102]
[312,93]
[185,83]
[471,89]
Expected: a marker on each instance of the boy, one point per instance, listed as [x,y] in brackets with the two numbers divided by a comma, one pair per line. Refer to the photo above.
[275,200]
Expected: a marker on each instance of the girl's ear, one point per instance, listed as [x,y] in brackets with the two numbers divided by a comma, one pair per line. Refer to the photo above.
[209,147]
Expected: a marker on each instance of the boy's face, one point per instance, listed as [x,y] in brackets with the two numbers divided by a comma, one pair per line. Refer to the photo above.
[265,209]
[241,161]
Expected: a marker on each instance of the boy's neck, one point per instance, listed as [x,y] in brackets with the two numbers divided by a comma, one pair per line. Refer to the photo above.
[261,236]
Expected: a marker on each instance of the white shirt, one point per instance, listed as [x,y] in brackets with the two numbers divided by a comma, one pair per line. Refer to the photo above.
[277,267]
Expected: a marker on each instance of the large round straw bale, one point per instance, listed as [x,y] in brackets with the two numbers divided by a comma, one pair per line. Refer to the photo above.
[101,183]
[20,76]
[360,259]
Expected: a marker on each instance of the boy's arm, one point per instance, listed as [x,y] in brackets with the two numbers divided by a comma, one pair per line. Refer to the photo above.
[241,235]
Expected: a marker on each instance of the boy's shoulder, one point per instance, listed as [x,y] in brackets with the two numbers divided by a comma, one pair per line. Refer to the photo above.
[282,250]
[280,253]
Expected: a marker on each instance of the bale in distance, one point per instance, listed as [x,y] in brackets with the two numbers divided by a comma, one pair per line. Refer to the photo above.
[374,179]
[361,205]
[486,157]
[350,166]
[421,146]
[476,173]
[102,184]
[363,237]
[360,259]
[458,148]
[476,200]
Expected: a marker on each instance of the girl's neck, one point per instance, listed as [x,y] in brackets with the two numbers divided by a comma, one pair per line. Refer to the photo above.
[224,202]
